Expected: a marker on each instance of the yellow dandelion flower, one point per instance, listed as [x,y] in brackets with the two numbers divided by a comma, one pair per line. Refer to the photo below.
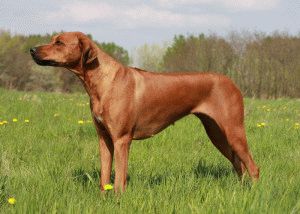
[1,123]
[4,122]
[80,121]
[26,121]
[11,200]
[261,124]
[15,120]
[108,187]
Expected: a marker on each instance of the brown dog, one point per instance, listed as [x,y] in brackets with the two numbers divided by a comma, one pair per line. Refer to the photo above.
[128,103]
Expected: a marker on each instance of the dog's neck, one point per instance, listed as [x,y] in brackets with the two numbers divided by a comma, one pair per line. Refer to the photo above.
[97,77]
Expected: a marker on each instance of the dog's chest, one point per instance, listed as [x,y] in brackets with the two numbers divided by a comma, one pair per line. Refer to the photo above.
[98,115]
[97,112]
[98,118]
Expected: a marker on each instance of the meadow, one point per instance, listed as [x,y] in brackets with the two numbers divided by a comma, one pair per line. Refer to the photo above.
[49,162]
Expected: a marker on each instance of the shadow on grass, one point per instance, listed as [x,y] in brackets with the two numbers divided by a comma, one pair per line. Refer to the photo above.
[204,170]
[155,180]
[201,170]
[216,171]
[85,177]
[3,189]
[90,177]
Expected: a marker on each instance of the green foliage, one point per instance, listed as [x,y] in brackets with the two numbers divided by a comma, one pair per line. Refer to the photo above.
[269,64]
[51,164]
[199,53]
[150,57]
[11,60]
[115,51]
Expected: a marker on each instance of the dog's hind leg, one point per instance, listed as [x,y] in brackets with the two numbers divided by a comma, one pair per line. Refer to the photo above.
[237,140]
[218,138]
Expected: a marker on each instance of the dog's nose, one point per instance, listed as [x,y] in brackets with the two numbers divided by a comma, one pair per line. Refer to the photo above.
[32,51]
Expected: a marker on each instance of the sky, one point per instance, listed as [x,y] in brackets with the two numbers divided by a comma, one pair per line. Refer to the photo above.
[132,23]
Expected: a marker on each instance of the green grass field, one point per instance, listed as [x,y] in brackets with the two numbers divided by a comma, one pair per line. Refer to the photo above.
[50,163]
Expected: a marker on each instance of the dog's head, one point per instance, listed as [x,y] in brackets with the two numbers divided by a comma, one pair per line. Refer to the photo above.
[67,50]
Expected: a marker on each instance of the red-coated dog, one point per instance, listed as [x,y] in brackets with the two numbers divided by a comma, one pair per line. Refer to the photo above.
[128,103]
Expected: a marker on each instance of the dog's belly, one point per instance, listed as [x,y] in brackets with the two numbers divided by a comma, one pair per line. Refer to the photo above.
[148,131]
[149,126]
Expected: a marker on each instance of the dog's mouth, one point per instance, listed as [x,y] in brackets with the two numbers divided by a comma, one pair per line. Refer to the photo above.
[45,62]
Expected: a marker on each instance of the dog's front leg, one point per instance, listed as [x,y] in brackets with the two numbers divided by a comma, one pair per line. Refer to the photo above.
[121,146]
[106,156]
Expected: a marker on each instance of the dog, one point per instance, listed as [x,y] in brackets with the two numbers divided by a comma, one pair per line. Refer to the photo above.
[128,103]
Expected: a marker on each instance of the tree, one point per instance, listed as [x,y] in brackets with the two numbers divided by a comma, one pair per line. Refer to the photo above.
[150,57]
[199,53]
[115,51]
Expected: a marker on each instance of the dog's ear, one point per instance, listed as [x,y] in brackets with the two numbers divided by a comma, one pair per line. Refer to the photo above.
[89,51]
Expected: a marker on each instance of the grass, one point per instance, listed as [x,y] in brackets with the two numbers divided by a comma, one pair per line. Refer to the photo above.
[51,165]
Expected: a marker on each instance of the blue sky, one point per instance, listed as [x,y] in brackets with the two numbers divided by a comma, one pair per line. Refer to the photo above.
[131,23]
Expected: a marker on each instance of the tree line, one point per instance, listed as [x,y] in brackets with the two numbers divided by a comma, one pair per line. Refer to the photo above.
[262,65]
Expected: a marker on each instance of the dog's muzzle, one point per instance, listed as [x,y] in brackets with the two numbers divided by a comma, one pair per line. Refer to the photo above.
[36,58]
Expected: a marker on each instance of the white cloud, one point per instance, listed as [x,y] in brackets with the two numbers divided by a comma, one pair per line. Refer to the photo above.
[133,16]
[82,11]
[250,4]
[233,5]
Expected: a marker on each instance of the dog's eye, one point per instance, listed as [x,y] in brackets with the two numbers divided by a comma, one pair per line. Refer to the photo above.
[58,42]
